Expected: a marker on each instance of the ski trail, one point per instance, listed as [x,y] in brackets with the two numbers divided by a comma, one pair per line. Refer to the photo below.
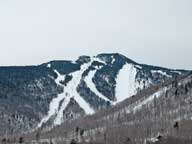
[54,104]
[126,82]
[56,108]
[91,85]
[71,92]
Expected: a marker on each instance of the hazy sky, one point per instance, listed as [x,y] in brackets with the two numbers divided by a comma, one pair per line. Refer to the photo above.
[157,32]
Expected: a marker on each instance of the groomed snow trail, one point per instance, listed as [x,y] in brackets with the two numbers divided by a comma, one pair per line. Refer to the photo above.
[69,92]
[126,82]
[54,104]
[91,85]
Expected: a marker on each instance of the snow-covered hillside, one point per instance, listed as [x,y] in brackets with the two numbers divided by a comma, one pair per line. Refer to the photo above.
[99,76]
[51,93]
[126,82]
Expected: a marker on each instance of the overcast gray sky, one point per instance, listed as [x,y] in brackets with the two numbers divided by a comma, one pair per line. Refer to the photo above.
[157,32]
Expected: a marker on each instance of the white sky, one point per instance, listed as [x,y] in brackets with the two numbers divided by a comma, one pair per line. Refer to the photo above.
[157,32]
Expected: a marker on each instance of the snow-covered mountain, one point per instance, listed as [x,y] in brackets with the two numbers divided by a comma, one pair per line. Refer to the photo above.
[100,82]
[160,114]
[58,91]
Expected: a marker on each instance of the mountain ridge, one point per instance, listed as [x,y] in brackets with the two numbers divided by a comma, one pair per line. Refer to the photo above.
[81,85]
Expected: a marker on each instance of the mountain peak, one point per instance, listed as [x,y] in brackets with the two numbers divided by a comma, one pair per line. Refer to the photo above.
[64,90]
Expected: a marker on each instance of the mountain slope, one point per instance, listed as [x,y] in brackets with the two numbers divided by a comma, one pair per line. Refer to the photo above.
[159,114]
[59,91]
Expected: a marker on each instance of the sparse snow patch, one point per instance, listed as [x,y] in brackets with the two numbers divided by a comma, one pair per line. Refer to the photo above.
[161,72]
[147,100]
[144,101]
[153,140]
[178,72]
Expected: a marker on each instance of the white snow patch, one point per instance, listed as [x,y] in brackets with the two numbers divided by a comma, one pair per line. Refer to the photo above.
[113,60]
[126,82]
[99,60]
[178,72]
[161,72]
[59,78]
[91,85]
[73,62]
[49,65]
[153,140]
[138,66]
[59,116]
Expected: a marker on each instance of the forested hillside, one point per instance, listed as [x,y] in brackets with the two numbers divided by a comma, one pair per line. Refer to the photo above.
[160,114]
[93,95]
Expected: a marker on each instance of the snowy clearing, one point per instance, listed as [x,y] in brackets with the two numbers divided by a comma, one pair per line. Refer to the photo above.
[126,82]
